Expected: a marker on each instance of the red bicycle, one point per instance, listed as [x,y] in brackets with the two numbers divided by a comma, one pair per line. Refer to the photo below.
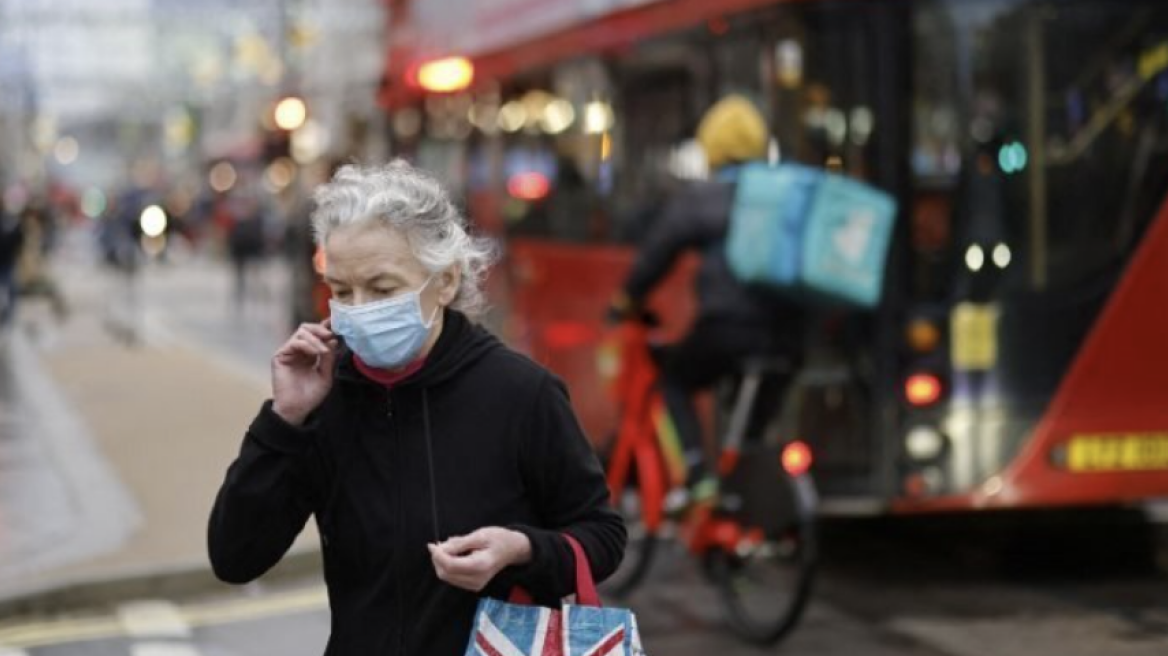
[756,537]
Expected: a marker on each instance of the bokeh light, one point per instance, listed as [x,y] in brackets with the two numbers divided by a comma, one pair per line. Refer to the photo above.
[598,117]
[309,142]
[558,115]
[1002,256]
[66,150]
[93,203]
[974,258]
[279,174]
[153,221]
[512,116]
[291,112]
[222,177]
[446,75]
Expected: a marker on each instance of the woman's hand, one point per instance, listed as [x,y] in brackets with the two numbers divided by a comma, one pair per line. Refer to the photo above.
[471,561]
[302,371]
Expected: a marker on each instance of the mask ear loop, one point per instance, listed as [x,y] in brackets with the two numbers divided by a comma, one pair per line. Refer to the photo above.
[434,314]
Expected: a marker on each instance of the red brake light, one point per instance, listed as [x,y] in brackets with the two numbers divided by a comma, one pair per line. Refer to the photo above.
[797,458]
[922,389]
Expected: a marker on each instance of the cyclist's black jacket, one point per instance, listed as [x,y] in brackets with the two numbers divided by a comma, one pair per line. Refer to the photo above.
[696,219]
[507,451]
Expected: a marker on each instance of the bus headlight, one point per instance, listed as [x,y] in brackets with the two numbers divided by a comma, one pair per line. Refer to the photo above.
[924,443]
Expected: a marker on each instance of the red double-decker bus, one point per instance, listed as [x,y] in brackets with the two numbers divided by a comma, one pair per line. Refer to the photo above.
[1019,356]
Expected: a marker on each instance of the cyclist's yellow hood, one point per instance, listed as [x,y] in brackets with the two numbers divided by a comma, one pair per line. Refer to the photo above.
[732,130]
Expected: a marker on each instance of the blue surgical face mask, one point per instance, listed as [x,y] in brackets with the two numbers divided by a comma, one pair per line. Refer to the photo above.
[386,334]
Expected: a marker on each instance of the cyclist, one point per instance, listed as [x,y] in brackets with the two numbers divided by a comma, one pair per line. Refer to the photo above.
[733,321]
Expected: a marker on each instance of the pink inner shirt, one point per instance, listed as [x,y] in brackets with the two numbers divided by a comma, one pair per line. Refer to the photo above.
[386,377]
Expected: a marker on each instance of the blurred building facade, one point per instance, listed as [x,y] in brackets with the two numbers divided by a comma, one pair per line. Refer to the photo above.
[95,94]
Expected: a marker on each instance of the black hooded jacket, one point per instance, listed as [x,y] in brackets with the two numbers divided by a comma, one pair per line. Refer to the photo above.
[505,450]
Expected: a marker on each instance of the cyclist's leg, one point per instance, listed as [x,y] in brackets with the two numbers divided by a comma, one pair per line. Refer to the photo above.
[709,352]
[785,347]
[768,405]
[678,395]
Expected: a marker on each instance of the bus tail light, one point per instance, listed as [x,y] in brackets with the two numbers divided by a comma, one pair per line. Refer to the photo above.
[923,336]
[922,389]
[796,458]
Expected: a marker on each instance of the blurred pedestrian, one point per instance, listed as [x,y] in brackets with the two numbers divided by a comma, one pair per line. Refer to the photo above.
[11,243]
[34,277]
[440,465]
[246,245]
[120,240]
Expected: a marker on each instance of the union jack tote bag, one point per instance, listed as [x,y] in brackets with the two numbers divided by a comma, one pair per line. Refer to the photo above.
[585,629]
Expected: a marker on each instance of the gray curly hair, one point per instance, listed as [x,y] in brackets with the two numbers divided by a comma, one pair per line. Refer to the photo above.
[415,203]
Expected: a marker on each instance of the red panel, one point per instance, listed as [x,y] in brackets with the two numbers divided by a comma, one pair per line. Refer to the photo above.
[1118,383]
[611,32]
[559,294]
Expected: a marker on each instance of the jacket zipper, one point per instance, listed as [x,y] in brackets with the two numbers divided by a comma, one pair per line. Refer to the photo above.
[397,591]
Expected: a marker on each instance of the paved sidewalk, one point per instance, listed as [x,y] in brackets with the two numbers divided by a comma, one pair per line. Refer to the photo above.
[110,455]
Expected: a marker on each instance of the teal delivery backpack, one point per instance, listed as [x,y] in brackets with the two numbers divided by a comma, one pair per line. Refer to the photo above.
[810,234]
[767,223]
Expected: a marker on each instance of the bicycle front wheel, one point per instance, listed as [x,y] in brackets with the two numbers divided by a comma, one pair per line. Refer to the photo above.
[639,551]
[765,587]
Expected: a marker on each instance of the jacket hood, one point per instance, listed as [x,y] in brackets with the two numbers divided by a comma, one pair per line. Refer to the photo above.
[731,131]
[461,344]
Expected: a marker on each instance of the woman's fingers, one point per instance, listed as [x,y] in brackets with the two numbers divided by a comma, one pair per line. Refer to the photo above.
[318,339]
[313,343]
[471,571]
[479,539]
[326,361]
[320,330]
[296,348]
[304,349]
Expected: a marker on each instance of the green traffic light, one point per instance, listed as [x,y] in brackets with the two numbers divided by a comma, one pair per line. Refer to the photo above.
[1012,157]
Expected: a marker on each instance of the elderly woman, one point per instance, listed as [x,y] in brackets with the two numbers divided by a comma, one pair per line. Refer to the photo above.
[439,464]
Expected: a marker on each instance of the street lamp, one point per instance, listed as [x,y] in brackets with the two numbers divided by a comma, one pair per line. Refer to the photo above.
[290,114]
[153,221]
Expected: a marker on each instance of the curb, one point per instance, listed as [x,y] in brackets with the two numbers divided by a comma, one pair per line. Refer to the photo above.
[180,581]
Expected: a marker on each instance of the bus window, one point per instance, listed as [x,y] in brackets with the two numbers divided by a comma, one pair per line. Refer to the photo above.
[1039,156]
[1044,148]
[629,142]
[821,65]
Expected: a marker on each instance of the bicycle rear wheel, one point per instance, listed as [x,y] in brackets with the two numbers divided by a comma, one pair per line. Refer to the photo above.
[765,587]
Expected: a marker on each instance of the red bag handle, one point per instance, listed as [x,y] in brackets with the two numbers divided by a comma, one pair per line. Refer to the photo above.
[586,594]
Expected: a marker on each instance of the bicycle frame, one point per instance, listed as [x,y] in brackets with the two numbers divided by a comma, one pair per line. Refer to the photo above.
[637,443]
[636,438]
[723,544]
